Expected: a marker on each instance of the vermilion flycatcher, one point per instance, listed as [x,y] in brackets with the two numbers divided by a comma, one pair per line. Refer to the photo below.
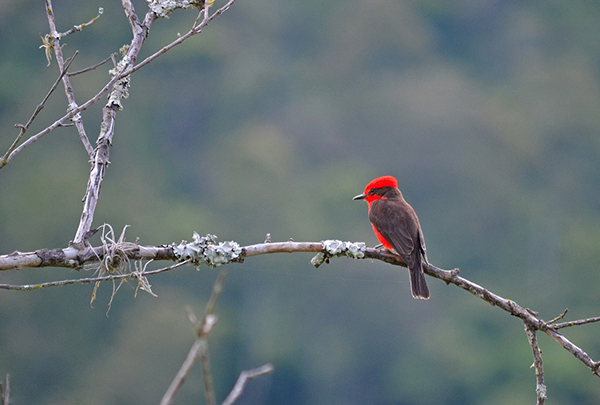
[397,227]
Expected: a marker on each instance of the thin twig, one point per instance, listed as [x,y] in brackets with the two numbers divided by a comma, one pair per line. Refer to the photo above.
[55,40]
[575,323]
[150,17]
[182,374]
[214,297]
[202,13]
[112,277]
[203,331]
[60,122]
[558,318]
[87,69]
[243,379]
[538,364]
[209,390]
[79,27]
[193,31]
[198,349]
[40,107]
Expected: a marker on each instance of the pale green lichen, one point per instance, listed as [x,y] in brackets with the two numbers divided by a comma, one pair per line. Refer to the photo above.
[335,248]
[120,90]
[206,250]
[73,106]
[162,8]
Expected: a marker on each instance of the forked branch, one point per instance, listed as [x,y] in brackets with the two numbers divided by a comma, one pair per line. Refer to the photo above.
[199,349]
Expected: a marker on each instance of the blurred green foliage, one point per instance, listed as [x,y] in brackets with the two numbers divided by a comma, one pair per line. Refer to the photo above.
[270,121]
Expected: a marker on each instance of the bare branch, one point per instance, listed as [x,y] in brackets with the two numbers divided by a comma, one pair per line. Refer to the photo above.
[112,277]
[99,164]
[54,37]
[40,107]
[203,330]
[134,21]
[182,374]
[87,69]
[212,302]
[540,389]
[73,258]
[199,349]
[196,29]
[243,379]
[514,309]
[575,323]
[75,110]
[574,350]
[209,390]
[558,318]
[100,156]
[79,27]
[60,122]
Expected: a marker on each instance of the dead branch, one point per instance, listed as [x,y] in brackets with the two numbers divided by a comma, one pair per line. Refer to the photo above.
[73,258]
[38,109]
[142,30]
[54,40]
[196,29]
[77,28]
[89,68]
[243,379]
[118,255]
[575,323]
[199,349]
[538,365]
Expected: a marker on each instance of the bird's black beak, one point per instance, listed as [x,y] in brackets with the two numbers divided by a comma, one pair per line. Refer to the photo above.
[360,197]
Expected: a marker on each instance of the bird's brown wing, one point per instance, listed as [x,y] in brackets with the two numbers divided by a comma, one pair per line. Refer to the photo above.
[397,222]
[394,222]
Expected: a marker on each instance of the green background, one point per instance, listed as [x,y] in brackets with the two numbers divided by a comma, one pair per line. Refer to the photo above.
[270,121]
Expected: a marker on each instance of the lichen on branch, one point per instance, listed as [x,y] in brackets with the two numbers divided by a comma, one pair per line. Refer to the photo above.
[337,248]
[206,250]
[162,8]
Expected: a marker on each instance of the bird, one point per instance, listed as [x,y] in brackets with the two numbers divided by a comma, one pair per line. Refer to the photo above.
[397,227]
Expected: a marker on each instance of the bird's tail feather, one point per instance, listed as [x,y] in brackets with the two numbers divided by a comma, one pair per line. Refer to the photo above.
[418,284]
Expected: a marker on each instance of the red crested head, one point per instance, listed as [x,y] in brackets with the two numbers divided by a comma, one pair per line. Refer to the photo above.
[371,195]
[379,182]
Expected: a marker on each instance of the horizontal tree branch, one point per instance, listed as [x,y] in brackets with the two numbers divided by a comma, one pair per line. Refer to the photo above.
[73,258]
